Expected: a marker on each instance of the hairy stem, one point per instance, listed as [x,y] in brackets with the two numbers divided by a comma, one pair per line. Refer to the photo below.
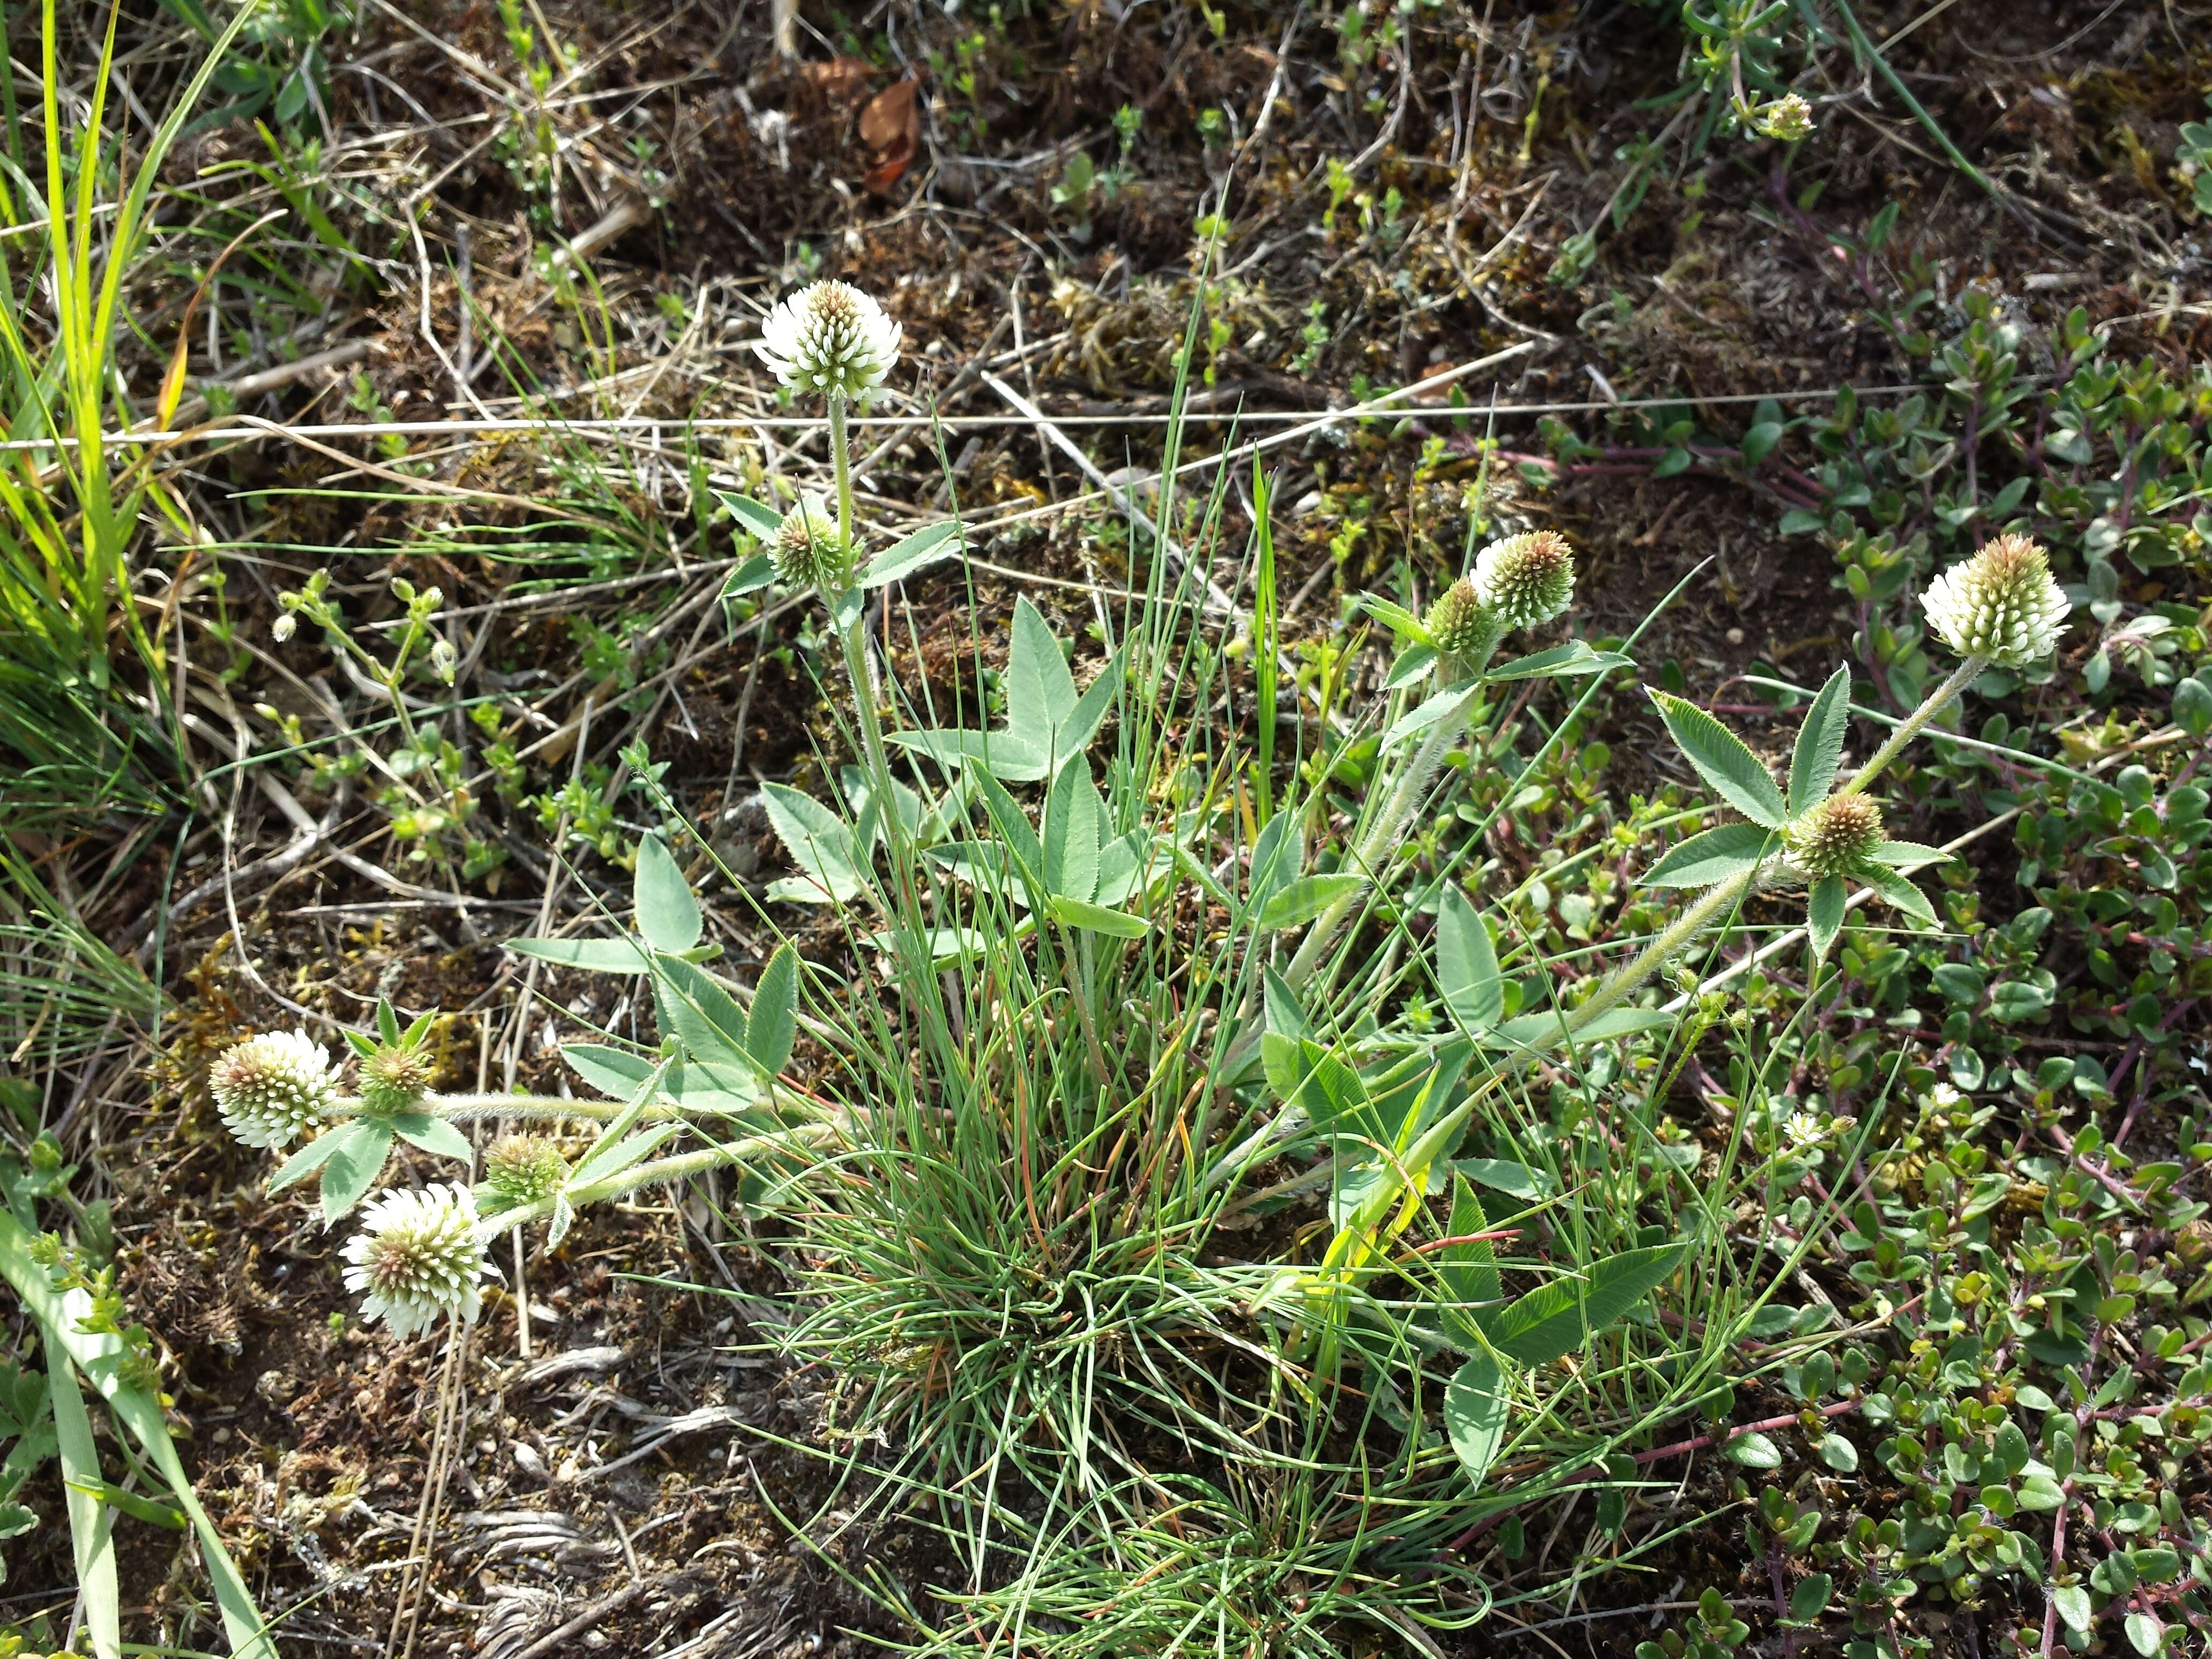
[1716,901]
[659,1172]
[1936,701]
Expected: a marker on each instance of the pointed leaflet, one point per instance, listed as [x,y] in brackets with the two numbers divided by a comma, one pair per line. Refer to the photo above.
[667,914]
[1562,661]
[353,1166]
[1039,691]
[1714,856]
[1467,1269]
[699,1012]
[594,956]
[1820,743]
[1467,964]
[751,517]
[776,1011]
[1281,1044]
[615,1072]
[1824,913]
[1909,854]
[1474,1414]
[918,551]
[1074,817]
[1739,776]
[1555,1319]
[1900,893]
[1096,918]
[1305,898]
[819,842]
[433,1136]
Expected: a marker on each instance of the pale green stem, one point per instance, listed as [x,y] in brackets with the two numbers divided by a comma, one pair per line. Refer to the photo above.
[1378,845]
[1716,901]
[659,1172]
[841,457]
[1938,700]
[462,1108]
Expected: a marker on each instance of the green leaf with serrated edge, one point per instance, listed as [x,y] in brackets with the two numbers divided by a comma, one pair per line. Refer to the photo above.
[998,752]
[699,1012]
[1304,899]
[757,519]
[615,1072]
[593,955]
[819,842]
[1909,854]
[387,1021]
[1466,962]
[1712,856]
[99,1355]
[667,914]
[1096,918]
[1395,617]
[362,1045]
[433,1134]
[1072,815]
[92,1528]
[1824,913]
[415,1034]
[1466,1270]
[1441,706]
[1736,775]
[1555,1319]
[754,573]
[1900,893]
[775,1011]
[1411,664]
[354,1167]
[916,552]
[309,1159]
[1820,743]
[1576,656]
[1475,1402]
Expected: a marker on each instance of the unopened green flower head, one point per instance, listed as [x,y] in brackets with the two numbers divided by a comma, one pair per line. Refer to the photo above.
[805,549]
[2002,604]
[1527,580]
[1455,621]
[417,1258]
[270,1089]
[1788,118]
[1836,838]
[830,337]
[396,1077]
[521,1170]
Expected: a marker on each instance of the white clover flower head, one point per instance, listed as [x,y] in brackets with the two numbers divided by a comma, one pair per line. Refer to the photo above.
[522,1169]
[1455,621]
[2002,604]
[396,1077]
[1835,837]
[417,1258]
[270,1089]
[830,337]
[1526,580]
[804,547]
[1788,118]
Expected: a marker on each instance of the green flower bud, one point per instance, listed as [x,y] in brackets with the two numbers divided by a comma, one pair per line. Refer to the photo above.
[1526,580]
[1835,838]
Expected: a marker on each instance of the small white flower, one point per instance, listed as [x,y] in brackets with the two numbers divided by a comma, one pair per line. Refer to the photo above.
[1943,1097]
[1804,1129]
[284,626]
[1525,580]
[830,337]
[1788,118]
[2002,604]
[445,661]
[418,1259]
[270,1088]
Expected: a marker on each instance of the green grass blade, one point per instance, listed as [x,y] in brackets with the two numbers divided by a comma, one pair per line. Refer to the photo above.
[92,1524]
